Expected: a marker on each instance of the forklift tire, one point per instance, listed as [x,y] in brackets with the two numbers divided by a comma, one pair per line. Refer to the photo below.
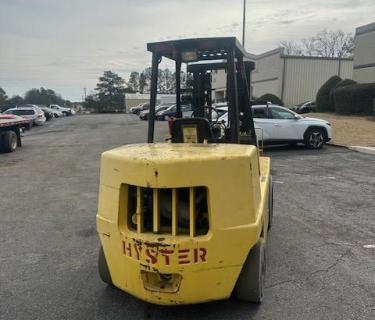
[9,141]
[103,268]
[250,283]
[270,206]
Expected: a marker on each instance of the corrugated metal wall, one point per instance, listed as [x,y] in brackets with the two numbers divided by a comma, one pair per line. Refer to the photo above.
[267,76]
[296,81]
[304,76]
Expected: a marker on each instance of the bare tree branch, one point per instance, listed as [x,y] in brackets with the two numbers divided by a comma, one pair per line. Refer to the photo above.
[324,44]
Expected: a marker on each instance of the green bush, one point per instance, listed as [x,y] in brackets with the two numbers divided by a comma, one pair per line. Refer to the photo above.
[355,99]
[269,97]
[323,101]
[345,82]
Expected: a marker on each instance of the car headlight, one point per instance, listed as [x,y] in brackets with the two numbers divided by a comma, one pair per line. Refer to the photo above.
[328,124]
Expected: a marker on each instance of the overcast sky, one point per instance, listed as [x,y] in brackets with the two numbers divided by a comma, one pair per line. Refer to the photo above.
[66,45]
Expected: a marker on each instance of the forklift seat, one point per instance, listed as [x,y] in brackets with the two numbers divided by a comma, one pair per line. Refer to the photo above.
[190,130]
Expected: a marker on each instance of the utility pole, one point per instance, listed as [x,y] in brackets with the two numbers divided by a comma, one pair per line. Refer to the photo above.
[243,23]
[84,90]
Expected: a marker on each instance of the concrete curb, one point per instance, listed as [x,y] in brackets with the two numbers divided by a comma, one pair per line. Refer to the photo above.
[337,145]
[367,150]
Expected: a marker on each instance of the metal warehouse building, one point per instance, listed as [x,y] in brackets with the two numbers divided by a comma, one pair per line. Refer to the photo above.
[364,54]
[294,79]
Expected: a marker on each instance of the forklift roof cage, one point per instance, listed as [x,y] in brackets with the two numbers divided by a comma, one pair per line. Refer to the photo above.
[233,58]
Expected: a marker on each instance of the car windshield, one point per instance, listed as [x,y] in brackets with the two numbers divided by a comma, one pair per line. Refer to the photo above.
[162,107]
[22,112]
[172,108]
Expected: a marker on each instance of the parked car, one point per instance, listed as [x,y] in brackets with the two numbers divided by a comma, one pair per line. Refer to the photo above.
[186,110]
[278,125]
[31,112]
[49,113]
[137,109]
[144,114]
[305,107]
[61,110]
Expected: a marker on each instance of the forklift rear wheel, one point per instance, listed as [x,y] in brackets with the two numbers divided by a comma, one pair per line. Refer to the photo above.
[270,206]
[250,283]
[9,141]
[103,268]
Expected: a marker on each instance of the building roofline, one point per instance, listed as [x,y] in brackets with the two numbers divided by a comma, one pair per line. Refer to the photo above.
[267,53]
[287,56]
[316,57]
[365,29]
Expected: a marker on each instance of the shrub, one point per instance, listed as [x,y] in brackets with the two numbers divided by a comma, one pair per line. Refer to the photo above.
[269,97]
[323,101]
[345,82]
[355,99]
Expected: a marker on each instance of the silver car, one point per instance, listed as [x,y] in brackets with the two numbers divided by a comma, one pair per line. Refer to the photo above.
[31,112]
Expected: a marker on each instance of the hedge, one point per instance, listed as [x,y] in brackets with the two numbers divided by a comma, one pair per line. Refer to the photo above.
[355,99]
[269,97]
[345,82]
[323,101]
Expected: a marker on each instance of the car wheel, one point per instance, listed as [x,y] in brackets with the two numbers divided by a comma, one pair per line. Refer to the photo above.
[103,268]
[250,283]
[314,138]
[270,205]
[9,141]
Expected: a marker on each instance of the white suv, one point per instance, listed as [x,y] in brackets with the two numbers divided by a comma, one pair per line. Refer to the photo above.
[278,125]
[30,112]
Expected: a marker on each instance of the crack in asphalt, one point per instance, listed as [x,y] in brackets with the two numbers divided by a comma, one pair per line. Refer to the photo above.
[331,266]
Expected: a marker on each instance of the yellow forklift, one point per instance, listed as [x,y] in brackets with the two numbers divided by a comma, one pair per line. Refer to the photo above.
[186,221]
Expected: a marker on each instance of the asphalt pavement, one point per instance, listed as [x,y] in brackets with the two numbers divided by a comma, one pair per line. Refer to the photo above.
[320,254]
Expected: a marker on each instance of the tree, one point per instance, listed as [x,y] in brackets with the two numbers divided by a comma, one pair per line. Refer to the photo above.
[166,80]
[333,44]
[91,102]
[291,48]
[161,81]
[110,92]
[142,82]
[324,99]
[43,96]
[170,81]
[355,99]
[133,82]
[16,100]
[3,96]
[345,82]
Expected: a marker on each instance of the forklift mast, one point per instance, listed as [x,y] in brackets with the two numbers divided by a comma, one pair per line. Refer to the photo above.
[204,55]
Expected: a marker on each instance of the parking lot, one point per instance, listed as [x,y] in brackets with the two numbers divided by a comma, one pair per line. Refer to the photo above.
[320,262]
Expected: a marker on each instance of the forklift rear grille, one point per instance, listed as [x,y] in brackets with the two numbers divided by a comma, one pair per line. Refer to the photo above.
[175,211]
